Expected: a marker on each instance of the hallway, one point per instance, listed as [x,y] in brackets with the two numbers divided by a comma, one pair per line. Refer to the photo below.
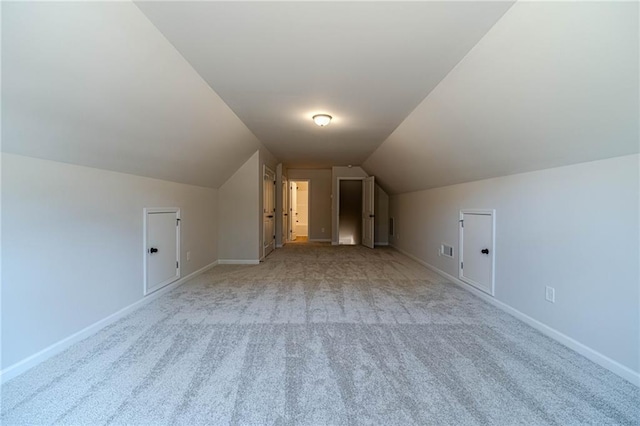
[319,334]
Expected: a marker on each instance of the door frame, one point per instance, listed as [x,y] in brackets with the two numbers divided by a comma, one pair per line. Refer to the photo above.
[361,178]
[268,169]
[145,261]
[286,207]
[489,212]
[309,210]
[372,213]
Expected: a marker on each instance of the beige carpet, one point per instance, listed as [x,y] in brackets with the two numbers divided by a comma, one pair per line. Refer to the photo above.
[319,335]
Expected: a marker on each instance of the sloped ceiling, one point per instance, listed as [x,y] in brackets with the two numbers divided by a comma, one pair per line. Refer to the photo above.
[550,84]
[368,64]
[97,84]
[100,84]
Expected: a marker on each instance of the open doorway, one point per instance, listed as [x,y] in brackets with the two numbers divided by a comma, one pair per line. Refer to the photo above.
[356,205]
[350,212]
[299,210]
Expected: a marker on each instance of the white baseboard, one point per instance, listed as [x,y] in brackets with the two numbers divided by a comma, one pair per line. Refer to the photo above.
[333,243]
[279,245]
[320,240]
[380,244]
[54,349]
[238,262]
[584,350]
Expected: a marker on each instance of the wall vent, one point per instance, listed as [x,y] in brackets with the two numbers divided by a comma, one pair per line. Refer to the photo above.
[446,250]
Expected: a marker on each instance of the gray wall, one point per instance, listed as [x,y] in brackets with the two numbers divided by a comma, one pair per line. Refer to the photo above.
[319,201]
[72,246]
[574,228]
[240,213]
[381,232]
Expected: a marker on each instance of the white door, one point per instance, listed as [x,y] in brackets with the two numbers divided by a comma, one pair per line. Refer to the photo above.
[477,254]
[162,237]
[368,206]
[269,211]
[293,211]
[285,210]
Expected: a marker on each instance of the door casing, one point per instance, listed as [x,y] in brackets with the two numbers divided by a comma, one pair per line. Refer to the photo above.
[285,210]
[492,254]
[364,181]
[268,211]
[368,211]
[293,209]
[146,288]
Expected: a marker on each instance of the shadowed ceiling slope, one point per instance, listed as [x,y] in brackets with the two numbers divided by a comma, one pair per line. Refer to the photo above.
[551,84]
[97,84]
[366,63]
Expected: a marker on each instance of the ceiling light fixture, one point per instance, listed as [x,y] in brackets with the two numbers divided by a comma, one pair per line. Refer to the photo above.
[322,119]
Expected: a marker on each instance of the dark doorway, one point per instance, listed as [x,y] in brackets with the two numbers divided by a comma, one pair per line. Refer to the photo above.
[350,212]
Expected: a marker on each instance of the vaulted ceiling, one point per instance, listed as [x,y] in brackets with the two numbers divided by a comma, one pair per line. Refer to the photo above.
[368,64]
[424,94]
[551,84]
[96,84]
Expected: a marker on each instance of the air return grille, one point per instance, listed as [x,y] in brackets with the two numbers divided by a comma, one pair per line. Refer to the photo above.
[446,250]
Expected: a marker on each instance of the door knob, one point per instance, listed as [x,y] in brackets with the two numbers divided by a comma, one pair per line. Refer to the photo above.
[153,250]
[484,251]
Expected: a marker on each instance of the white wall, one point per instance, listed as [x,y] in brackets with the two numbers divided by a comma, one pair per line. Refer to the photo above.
[240,213]
[72,246]
[574,228]
[339,172]
[381,211]
[319,200]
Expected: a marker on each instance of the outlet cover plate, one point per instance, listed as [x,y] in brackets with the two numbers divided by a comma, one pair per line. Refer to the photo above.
[550,294]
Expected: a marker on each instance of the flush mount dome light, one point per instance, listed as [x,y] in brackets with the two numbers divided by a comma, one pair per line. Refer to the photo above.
[322,119]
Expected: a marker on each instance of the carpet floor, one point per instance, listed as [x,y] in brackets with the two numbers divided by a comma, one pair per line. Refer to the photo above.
[319,335]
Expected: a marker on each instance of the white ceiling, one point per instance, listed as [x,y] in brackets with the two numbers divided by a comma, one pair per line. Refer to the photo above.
[96,84]
[551,84]
[368,64]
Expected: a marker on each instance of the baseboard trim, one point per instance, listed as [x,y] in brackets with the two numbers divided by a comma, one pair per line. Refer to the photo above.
[238,262]
[320,240]
[380,244]
[333,243]
[584,350]
[31,361]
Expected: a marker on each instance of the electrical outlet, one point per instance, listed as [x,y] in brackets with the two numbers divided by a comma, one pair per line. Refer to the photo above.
[550,294]
[188,256]
[323,230]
